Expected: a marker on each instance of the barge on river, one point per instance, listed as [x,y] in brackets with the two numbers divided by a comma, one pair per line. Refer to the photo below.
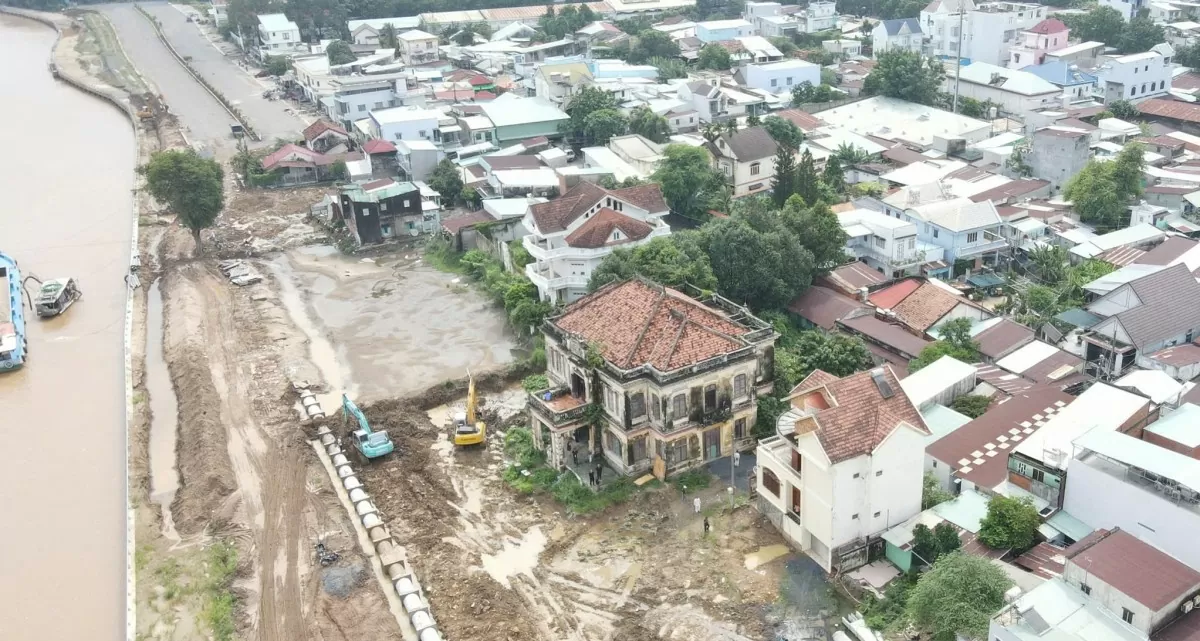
[13,347]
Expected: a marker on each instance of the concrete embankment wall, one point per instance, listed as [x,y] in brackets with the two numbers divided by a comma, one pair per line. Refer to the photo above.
[117,100]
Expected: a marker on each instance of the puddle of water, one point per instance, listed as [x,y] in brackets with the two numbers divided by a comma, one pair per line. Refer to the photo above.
[440,416]
[164,476]
[443,445]
[517,557]
[473,496]
[765,555]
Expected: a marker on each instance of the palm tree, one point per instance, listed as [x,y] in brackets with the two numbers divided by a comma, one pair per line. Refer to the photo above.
[712,131]
[731,126]
[848,154]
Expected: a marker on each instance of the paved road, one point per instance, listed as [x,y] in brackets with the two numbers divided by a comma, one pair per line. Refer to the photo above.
[205,119]
[271,118]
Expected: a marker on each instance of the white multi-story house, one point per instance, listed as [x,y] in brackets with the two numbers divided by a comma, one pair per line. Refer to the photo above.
[782,76]
[417,47]
[746,158]
[706,98]
[277,35]
[678,379]
[1045,37]
[367,32]
[1017,92]
[989,29]
[1135,76]
[885,243]
[405,123]
[903,34]
[845,466]
[569,236]
[352,98]
[820,16]
[963,228]
[771,19]
[718,30]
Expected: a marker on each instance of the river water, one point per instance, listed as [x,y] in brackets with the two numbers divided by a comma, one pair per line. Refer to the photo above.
[66,172]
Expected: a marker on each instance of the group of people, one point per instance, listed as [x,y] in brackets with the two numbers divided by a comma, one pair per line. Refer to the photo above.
[595,466]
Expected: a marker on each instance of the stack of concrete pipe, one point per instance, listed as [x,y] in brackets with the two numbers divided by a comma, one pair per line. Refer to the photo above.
[403,579]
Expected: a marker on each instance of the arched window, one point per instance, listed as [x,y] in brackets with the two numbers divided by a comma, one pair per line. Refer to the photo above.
[755,168]
[770,482]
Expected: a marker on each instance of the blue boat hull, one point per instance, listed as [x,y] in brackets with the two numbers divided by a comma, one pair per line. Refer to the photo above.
[13,350]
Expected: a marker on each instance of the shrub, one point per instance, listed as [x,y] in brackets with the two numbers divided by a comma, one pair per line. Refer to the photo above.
[535,383]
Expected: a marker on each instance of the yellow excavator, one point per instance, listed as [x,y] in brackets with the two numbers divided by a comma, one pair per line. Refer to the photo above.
[468,430]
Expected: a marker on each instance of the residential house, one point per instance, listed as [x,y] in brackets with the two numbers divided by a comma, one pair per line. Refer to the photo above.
[640,152]
[1076,85]
[383,209]
[405,123]
[683,120]
[350,98]
[1017,92]
[1155,312]
[781,77]
[989,30]
[1113,586]
[924,306]
[416,159]
[718,30]
[298,165]
[417,47]
[677,377]
[900,121]
[1118,480]
[1178,430]
[843,47]
[886,244]
[1044,37]
[706,98]
[746,158]
[902,34]
[964,229]
[1057,154]
[559,82]
[771,21]
[1174,113]
[278,36]
[1134,76]
[1039,462]
[366,32]
[819,15]
[517,118]
[1084,53]
[571,235]
[845,466]
[325,137]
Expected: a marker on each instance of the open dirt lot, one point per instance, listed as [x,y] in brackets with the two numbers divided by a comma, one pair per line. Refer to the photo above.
[499,565]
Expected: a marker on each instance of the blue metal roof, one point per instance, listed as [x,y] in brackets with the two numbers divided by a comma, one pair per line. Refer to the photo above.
[1060,73]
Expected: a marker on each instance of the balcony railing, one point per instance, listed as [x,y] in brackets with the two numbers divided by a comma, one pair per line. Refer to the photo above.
[546,278]
[560,408]
[980,247]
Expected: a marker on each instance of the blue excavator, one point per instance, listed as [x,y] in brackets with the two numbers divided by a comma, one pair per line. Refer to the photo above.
[371,444]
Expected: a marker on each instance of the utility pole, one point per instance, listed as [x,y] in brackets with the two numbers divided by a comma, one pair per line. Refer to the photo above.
[958,54]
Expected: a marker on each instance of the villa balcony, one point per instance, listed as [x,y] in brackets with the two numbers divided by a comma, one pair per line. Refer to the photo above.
[548,280]
[558,406]
[990,242]
[776,453]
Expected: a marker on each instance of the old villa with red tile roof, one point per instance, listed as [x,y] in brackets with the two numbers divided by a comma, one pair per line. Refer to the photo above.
[678,378]
[570,235]
[846,465]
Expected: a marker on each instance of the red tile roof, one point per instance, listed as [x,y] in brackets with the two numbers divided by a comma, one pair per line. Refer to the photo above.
[1003,337]
[598,230]
[378,146]
[822,307]
[484,95]
[889,297]
[376,184]
[1172,109]
[1134,568]
[458,223]
[558,214]
[321,126]
[1049,25]
[277,159]
[479,81]
[1043,560]
[851,277]
[859,415]
[926,305]
[801,119]
[636,323]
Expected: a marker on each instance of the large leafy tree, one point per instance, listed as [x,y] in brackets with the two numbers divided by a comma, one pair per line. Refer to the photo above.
[757,260]
[583,104]
[955,342]
[672,261]
[714,56]
[1101,24]
[190,186]
[837,354]
[646,123]
[1011,524]
[784,132]
[819,231]
[1102,191]
[906,75]
[652,44]
[1140,34]
[446,180]
[339,53]
[833,176]
[668,68]
[601,125]
[688,181]
[958,596]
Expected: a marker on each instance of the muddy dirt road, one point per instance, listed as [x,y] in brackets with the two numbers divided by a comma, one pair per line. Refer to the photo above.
[64,413]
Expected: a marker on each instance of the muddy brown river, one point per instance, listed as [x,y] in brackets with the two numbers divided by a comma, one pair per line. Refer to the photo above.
[66,172]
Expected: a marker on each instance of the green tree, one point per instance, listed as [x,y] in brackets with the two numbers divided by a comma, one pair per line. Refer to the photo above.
[955,342]
[1011,524]
[806,93]
[278,65]
[1123,109]
[757,260]
[819,231]
[836,354]
[971,405]
[671,260]
[190,186]
[687,179]
[906,75]
[783,132]
[472,197]
[848,154]
[1016,162]
[1140,35]
[339,170]
[808,182]
[714,56]
[446,180]
[339,53]
[947,538]
[924,545]
[973,108]
[829,77]
[1127,170]
[1188,55]
[783,44]
[958,596]
[387,37]
[1102,191]
[602,125]
[652,44]
[668,68]
[833,177]
[932,493]
[646,123]
[783,183]
[1101,24]
[583,104]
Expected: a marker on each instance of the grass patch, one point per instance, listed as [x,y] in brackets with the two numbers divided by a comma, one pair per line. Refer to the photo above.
[440,253]
[141,557]
[565,487]
[219,602]
[535,383]
[692,480]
